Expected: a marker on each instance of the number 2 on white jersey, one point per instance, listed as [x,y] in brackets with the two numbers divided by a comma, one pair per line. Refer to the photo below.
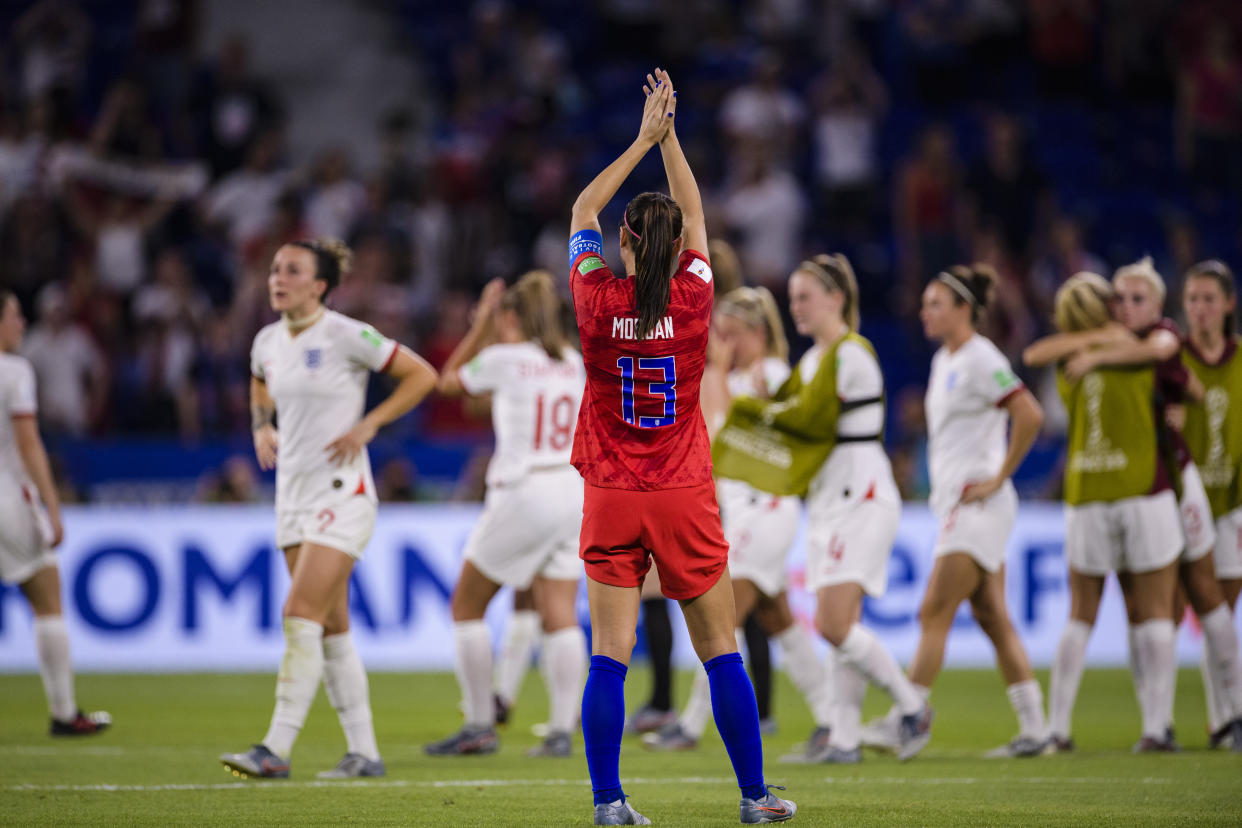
[560,417]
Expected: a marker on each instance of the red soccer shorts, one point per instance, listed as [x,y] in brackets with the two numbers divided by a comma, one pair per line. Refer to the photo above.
[623,530]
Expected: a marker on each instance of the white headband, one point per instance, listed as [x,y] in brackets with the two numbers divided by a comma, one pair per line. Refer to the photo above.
[957,286]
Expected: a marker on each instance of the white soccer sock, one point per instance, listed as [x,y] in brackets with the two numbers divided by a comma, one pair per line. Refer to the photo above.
[806,671]
[52,644]
[1136,667]
[472,662]
[1220,646]
[849,688]
[296,683]
[862,649]
[515,651]
[1027,701]
[345,680]
[1156,641]
[1067,669]
[564,662]
[698,709]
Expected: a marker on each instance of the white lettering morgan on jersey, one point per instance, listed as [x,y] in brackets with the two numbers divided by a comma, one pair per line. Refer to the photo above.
[626,327]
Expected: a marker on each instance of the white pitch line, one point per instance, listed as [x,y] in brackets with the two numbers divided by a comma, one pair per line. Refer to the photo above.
[358,783]
[508,783]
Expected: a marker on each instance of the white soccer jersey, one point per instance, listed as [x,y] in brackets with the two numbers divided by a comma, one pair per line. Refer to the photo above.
[318,379]
[855,471]
[17,399]
[966,425]
[535,403]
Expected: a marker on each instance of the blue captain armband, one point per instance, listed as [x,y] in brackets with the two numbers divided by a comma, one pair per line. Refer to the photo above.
[585,241]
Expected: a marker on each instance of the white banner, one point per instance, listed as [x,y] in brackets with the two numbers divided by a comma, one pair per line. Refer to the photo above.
[201,588]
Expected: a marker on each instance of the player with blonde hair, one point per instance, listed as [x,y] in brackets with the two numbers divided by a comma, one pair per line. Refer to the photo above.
[310,369]
[1121,512]
[820,436]
[527,535]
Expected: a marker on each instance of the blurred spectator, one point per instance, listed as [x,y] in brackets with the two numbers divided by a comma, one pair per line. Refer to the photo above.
[1209,114]
[243,202]
[1064,257]
[222,380]
[1009,321]
[336,200]
[70,370]
[909,446]
[126,126]
[1182,249]
[849,101]
[765,210]
[1006,188]
[1137,50]
[397,482]
[926,212]
[763,110]
[1063,45]
[33,245]
[51,39]
[443,415]
[117,231]
[935,33]
[235,107]
[236,481]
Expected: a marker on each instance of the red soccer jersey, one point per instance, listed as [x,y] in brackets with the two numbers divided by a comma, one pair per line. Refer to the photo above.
[639,426]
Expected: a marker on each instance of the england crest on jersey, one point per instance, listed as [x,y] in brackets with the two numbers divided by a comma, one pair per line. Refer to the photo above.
[314,357]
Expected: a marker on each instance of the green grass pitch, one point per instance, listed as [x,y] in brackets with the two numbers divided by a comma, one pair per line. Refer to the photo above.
[158,765]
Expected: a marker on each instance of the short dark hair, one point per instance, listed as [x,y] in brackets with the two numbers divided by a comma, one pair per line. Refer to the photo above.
[332,260]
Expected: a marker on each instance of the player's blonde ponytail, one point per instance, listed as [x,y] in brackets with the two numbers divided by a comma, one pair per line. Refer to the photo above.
[538,306]
[1082,303]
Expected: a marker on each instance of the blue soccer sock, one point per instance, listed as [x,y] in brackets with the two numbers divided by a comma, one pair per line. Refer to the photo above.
[737,719]
[603,718]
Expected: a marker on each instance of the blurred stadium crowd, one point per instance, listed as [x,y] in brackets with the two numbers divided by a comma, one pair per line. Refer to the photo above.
[145,179]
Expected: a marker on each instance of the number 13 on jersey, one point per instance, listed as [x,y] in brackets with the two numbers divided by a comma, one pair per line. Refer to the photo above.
[665,388]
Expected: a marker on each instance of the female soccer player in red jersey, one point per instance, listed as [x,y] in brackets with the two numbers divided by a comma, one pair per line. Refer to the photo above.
[643,451]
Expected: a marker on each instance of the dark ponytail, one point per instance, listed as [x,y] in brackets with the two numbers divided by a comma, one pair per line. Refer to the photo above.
[977,280]
[1219,272]
[535,301]
[653,225]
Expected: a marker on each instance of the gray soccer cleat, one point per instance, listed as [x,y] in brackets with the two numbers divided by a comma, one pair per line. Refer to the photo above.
[649,719]
[353,765]
[618,813]
[465,742]
[771,808]
[833,755]
[812,750]
[1022,747]
[258,761]
[670,737]
[883,734]
[555,745]
[914,733]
